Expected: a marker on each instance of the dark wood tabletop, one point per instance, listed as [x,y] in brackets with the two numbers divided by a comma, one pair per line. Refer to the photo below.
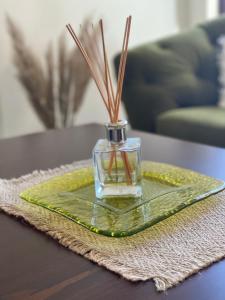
[34,266]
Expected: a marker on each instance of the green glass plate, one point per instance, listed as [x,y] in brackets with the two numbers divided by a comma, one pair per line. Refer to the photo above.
[166,190]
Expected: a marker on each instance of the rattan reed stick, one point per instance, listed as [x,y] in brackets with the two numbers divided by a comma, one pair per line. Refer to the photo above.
[103,79]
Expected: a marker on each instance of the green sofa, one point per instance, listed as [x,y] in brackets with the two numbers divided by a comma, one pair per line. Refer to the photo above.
[171,86]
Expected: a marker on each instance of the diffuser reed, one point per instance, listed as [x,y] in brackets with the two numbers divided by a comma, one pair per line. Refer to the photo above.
[100,70]
[96,58]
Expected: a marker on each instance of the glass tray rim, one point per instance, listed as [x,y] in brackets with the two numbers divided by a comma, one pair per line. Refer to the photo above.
[66,214]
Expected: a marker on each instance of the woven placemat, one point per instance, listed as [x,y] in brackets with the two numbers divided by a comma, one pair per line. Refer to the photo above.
[168,252]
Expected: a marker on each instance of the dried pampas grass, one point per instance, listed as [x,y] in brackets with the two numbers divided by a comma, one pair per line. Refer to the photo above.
[56,91]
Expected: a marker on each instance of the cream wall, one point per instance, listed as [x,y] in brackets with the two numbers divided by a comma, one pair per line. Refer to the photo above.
[44,20]
[191,12]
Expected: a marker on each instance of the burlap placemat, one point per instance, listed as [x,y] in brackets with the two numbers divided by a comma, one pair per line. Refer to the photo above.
[168,252]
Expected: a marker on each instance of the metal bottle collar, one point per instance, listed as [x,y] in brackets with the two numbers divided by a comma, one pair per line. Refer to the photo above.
[116,132]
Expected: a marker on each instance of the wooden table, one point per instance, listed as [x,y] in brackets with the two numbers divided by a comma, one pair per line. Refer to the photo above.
[34,266]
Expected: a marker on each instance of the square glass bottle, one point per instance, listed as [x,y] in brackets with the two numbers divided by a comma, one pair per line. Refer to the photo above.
[117,164]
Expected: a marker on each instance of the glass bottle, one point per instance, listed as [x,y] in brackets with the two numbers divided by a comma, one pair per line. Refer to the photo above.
[117,163]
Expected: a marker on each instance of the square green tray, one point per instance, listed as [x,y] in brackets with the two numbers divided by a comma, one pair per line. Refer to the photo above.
[166,190]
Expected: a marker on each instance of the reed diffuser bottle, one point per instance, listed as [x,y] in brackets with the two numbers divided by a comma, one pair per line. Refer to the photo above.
[116,158]
[117,164]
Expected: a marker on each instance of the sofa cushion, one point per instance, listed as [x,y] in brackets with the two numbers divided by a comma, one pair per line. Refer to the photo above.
[198,124]
[193,46]
[198,84]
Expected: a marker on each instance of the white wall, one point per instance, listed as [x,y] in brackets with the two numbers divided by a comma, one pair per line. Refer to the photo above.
[44,20]
[192,12]
[203,10]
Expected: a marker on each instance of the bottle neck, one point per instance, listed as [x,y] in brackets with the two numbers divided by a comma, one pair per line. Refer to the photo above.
[116,132]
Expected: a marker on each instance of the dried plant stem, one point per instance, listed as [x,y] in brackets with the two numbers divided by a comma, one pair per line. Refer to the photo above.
[56,89]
